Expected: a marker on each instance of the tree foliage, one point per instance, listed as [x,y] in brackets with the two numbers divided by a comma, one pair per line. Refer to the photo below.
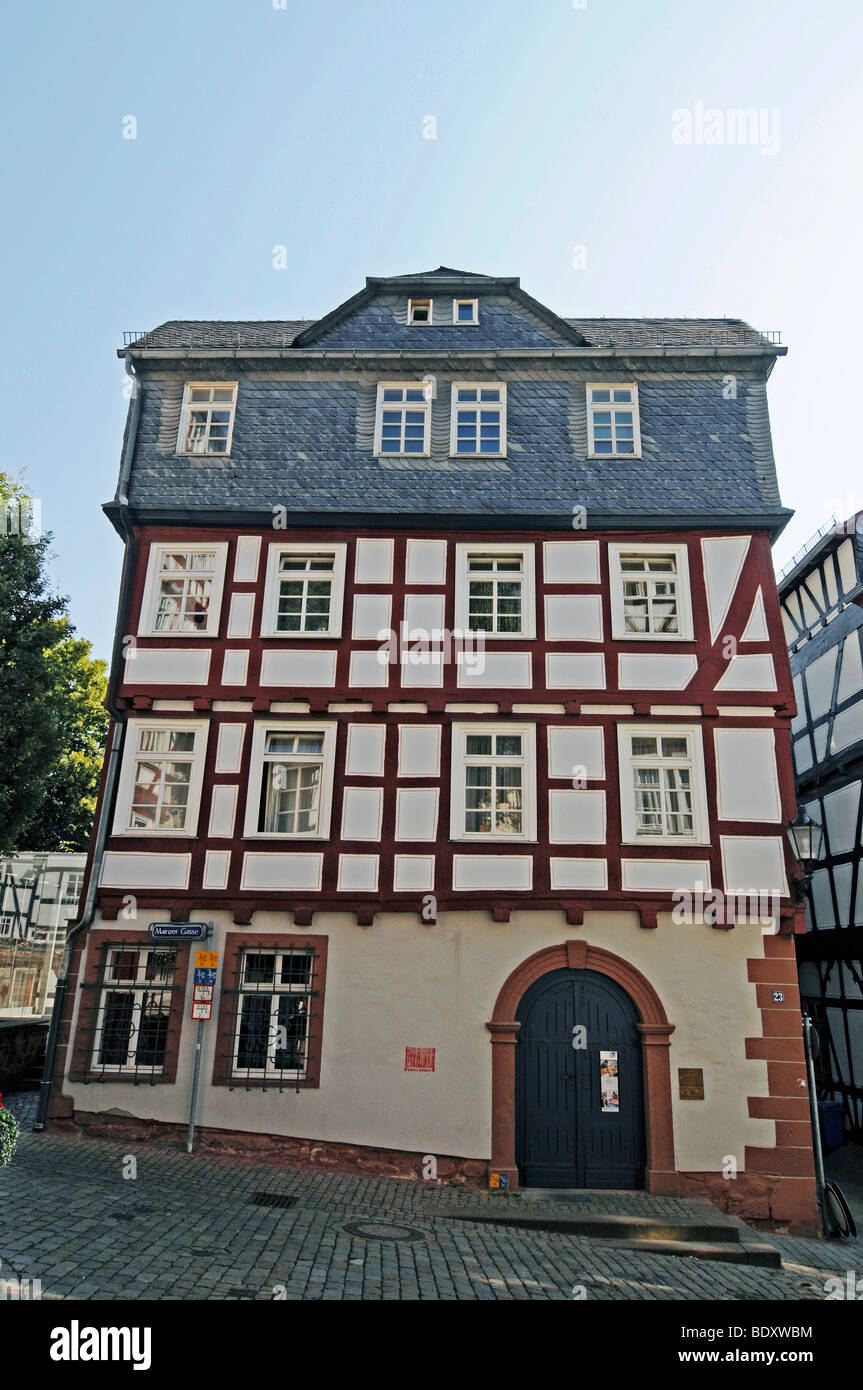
[52,724]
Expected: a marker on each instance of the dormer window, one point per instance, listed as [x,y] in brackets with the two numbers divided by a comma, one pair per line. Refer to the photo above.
[465,311]
[612,420]
[207,417]
[419,311]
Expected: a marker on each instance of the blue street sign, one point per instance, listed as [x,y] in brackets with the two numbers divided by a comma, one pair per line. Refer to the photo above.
[205,977]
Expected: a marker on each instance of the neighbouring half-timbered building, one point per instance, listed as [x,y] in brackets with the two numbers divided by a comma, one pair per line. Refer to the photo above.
[451,686]
[821,596]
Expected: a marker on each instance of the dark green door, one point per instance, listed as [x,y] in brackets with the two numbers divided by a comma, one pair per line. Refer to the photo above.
[579,1090]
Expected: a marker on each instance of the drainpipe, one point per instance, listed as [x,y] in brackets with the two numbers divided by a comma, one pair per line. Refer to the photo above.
[113,757]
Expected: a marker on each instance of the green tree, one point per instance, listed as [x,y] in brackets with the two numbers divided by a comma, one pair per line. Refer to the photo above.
[65,813]
[51,728]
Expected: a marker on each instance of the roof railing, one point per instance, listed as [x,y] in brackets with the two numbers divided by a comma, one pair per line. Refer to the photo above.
[813,540]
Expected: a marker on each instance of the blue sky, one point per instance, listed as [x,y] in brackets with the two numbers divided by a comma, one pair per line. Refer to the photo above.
[303,126]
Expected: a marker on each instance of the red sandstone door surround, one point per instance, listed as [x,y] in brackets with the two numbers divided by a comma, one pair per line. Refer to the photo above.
[660,1174]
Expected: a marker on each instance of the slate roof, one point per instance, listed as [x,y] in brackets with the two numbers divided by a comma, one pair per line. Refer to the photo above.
[303,437]
[603,332]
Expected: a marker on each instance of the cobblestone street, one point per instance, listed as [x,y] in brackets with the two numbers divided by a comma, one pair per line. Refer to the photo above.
[199,1227]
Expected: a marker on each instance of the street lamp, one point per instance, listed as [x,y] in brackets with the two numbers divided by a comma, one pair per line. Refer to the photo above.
[805,836]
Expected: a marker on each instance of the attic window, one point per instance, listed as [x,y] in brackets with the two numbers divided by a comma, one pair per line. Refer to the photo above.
[465,311]
[419,311]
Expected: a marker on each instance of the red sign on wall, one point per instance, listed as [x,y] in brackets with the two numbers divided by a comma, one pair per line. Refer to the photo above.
[419,1058]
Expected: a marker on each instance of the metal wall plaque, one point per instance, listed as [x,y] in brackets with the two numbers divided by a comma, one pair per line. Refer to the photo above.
[691,1081]
[180,931]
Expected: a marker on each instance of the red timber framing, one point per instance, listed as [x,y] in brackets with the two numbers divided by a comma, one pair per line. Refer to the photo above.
[384,706]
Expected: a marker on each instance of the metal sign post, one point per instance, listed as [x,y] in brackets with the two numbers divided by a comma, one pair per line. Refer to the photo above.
[816,1128]
[206,964]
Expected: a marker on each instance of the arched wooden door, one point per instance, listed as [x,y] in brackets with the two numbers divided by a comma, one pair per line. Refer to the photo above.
[579,1087]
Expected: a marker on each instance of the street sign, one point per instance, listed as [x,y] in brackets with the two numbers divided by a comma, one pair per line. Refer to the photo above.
[203,993]
[202,1012]
[206,960]
[180,931]
[205,977]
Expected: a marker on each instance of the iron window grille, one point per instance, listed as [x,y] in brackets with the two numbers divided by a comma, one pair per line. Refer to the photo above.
[130,1020]
[270,1016]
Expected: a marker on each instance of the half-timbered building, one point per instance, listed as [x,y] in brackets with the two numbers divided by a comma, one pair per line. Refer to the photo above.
[821,594]
[451,686]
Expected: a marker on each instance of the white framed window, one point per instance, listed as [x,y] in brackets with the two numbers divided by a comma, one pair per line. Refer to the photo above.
[183,590]
[291,780]
[72,887]
[495,590]
[159,791]
[663,797]
[650,591]
[274,1005]
[465,311]
[612,420]
[493,794]
[207,417]
[304,590]
[402,418]
[420,310]
[134,1009]
[478,419]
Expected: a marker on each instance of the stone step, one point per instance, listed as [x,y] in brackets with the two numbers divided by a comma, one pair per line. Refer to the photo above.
[751,1252]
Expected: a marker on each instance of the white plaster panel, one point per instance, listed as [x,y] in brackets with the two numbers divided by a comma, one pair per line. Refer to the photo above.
[358,873]
[573,617]
[489,871]
[229,748]
[425,562]
[847,565]
[235,666]
[369,669]
[575,671]
[840,817]
[223,810]
[424,614]
[664,875]
[416,813]
[648,671]
[570,749]
[276,871]
[372,616]
[495,670]
[579,873]
[819,682]
[365,750]
[362,810]
[747,780]
[571,562]
[421,668]
[167,666]
[419,750]
[374,562]
[847,728]
[241,614]
[576,817]
[748,673]
[217,866]
[301,669]
[722,557]
[851,675]
[145,870]
[756,624]
[248,556]
[753,863]
[413,873]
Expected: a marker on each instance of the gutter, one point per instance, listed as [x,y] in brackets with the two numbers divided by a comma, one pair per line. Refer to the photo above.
[121,506]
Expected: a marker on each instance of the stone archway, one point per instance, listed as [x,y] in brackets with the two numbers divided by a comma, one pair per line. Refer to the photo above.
[660,1173]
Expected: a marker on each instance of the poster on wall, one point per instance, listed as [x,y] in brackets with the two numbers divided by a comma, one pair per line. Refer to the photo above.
[608,1082]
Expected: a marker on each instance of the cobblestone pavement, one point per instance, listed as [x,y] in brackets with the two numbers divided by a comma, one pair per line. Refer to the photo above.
[190,1227]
